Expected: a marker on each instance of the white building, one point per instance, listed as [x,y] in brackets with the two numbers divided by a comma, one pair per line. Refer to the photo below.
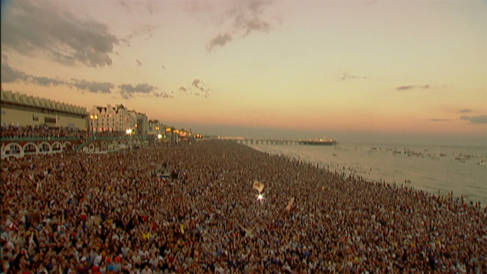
[117,119]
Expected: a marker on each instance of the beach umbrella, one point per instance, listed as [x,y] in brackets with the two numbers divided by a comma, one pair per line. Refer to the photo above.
[258,186]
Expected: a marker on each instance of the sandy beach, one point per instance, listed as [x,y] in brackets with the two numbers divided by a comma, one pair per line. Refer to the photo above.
[194,208]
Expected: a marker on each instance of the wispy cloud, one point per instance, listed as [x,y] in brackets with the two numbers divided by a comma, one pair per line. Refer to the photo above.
[245,17]
[128,90]
[163,94]
[124,4]
[410,87]
[479,119]
[10,75]
[93,86]
[346,76]
[440,120]
[465,110]
[203,89]
[33,27]
[46,81]
[219,41]
[144,31]
[197,88]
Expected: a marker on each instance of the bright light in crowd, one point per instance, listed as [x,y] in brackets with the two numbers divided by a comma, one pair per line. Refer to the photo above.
[260,197]
[159,136]
[128,131]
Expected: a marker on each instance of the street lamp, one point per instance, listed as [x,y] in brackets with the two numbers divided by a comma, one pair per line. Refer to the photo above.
[93,117]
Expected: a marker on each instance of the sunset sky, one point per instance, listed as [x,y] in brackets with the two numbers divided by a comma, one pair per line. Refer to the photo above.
[372,69]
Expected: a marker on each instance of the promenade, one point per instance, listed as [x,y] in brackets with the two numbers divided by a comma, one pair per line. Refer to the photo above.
[192,208]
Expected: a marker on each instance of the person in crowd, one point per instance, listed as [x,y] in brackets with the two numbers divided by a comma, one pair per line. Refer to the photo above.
[117,213]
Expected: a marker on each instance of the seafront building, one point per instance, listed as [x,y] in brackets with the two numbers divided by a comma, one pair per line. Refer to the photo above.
[117,119]
[23,110]
[33,125]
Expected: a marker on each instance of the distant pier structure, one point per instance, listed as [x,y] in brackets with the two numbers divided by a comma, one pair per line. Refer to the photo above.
[260,141]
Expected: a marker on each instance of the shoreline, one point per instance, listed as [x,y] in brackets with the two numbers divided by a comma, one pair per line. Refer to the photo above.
[349,170]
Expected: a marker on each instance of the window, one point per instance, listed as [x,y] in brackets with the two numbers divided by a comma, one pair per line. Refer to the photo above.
[49,120]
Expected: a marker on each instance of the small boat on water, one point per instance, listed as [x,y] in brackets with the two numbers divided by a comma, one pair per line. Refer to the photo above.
[319,142]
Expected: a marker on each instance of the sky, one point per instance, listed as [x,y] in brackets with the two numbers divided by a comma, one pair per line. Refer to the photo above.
[356,70]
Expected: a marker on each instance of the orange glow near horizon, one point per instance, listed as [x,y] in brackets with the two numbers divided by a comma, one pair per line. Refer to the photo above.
[308,66]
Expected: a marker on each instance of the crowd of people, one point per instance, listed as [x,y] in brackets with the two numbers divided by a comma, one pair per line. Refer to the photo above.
[12,131]
[192,208]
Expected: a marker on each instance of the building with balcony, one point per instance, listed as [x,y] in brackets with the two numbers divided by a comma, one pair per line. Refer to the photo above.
[117,119]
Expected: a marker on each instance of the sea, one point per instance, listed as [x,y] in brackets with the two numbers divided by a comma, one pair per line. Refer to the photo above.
[434,168]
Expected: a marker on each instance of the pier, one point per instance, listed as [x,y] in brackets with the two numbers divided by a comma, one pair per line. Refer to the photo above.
[263,141]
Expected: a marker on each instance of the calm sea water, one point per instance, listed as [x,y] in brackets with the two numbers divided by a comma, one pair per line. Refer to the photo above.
[461,169]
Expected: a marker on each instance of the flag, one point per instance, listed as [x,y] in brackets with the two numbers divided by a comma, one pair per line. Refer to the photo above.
[258,186]
[290,204]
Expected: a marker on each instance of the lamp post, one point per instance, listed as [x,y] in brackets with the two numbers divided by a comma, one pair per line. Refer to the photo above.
[93,118]
[168,130]
[128,131]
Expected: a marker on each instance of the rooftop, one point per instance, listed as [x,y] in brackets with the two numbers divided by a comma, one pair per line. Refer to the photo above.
[27,100]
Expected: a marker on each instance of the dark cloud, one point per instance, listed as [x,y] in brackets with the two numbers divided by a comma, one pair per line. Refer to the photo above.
[96,87]
[409,87]
[345,76]
[440,120]
[46,81]
[219,41]
[139,63]
[465,110]
[128,90]
[479,119]
[162,95]
[32,26]
[246,17]
[254,24]
[197,83]
[10,74]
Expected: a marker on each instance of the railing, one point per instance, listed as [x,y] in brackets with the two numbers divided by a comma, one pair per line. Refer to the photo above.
[39,138]
[109,138]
